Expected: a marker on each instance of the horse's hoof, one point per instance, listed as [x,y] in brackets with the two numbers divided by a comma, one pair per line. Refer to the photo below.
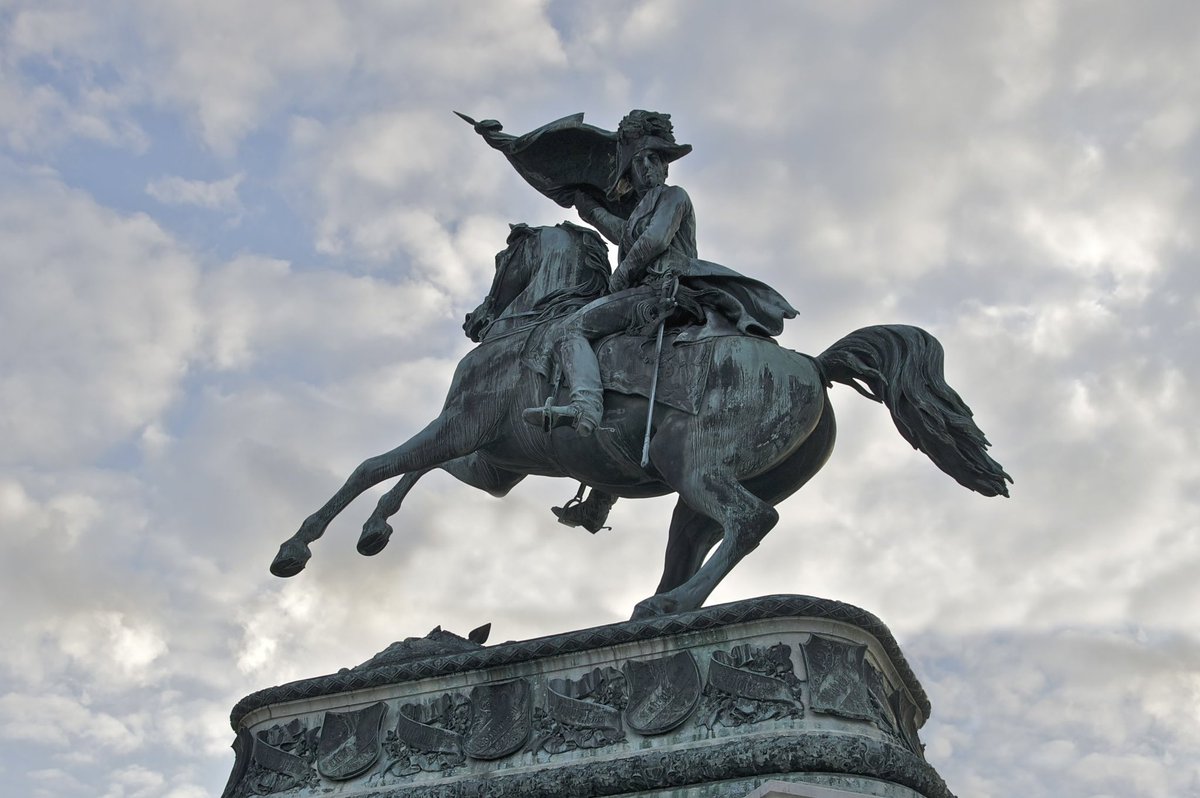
[654,607]
[373,538]
[291,559]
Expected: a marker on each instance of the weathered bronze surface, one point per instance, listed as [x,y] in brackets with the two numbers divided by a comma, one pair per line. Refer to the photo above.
[349,743]
[706,704]
[736,424]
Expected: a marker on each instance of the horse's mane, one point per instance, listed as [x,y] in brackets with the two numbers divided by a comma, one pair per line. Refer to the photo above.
[594,261]
[580,270]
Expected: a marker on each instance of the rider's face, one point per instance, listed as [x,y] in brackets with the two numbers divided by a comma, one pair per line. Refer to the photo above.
[649,170]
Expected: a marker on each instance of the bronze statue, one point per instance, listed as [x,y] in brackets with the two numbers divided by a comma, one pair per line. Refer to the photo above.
[734,426]
[659,278]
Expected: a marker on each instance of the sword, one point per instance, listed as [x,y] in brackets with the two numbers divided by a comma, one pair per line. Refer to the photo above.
[674,283]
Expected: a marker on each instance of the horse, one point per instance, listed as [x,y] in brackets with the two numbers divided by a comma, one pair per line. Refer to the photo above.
[763,427]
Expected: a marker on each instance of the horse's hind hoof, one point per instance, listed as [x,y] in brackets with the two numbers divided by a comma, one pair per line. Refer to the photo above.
[373,538]
[291,559]
[655,607]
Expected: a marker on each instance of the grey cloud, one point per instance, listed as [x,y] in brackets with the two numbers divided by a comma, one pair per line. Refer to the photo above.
[94,304]
[209,194]
[230,69]
[1018,178]
[1089,705]
[259,311]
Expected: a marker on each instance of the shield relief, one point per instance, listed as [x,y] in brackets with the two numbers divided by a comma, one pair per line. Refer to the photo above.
[662,692]
[349,743]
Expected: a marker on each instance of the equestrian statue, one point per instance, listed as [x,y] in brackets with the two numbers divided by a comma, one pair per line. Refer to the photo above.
[661,376]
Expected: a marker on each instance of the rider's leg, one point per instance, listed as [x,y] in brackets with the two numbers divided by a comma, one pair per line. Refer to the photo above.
[591,513]
[575,355]
[582,371]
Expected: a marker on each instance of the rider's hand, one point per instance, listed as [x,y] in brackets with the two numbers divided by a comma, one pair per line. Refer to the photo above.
[619,280]
[476,320]
[584,203]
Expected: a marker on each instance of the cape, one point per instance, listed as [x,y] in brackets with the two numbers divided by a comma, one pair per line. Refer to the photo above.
[560,159]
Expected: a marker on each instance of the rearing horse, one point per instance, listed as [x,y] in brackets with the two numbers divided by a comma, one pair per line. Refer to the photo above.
[763,429]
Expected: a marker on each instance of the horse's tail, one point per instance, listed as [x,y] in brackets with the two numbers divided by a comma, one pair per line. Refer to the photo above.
[901,367]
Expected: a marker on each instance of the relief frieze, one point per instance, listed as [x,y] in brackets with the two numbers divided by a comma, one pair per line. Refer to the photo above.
[751,684]
[837,679]
[881,708]
[501,719]
[281,759]
[428,736]
[581,713]
[663,692]
[350,742]
[906,718]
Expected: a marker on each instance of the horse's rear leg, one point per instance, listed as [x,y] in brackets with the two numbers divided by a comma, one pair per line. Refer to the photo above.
[712,489]
[694,534]
[691,538]
[447,437]
[470,469]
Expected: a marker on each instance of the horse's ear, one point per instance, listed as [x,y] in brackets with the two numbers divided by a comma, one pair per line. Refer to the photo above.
[480,635]
[518,231]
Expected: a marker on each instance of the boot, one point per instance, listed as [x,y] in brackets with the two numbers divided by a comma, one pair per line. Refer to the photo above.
[582,371]
[589,514]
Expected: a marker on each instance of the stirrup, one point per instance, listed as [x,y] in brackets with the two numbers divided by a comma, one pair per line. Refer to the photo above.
[547,417]
[577,512]
[571,515]
[574,500]
[550,416]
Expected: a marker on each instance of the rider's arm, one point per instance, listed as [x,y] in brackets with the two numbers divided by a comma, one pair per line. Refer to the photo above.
[609,224]
[654,240]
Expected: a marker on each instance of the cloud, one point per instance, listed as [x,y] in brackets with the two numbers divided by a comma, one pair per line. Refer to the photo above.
[227,70]
[135,782]
[58,720]
[67,44]
[383,197]
[1031,699]
[230,69]
[1019,179]
[131,646]
[261,311]
[97,321]
[219,195]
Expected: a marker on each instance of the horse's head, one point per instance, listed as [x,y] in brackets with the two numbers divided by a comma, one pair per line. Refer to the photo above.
[541,268]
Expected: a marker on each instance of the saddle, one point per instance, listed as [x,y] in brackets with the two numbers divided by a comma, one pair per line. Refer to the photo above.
[627,364]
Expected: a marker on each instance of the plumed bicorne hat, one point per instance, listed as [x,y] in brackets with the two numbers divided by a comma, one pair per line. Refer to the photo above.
[640,131]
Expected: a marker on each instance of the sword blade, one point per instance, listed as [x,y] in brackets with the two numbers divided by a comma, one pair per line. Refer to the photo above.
[653,390]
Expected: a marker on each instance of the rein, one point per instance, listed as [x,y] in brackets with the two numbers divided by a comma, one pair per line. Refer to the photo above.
[557,303]
[486,335]
[539,317]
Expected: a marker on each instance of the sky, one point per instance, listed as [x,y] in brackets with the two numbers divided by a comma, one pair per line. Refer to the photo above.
[239,239]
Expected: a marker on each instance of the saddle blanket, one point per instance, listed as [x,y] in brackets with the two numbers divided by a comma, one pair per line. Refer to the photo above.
[627,366]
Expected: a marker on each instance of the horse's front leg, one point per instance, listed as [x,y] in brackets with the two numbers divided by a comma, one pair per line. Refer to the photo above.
[377,531]
[451,435]
[470,469]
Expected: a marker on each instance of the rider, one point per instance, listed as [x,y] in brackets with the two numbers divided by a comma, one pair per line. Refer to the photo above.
[656,248]
[657,258]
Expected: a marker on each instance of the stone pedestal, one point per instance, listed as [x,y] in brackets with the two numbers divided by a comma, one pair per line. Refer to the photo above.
[776,696]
